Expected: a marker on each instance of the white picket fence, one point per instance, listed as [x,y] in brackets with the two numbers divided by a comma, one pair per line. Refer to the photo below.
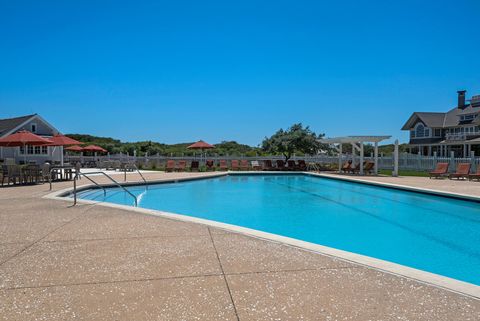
[406,161]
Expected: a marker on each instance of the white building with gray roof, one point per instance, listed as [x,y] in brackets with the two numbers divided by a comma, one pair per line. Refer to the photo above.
[457,130]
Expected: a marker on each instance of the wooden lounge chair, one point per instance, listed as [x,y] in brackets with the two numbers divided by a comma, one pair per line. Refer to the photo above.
[194,166]
[291,165]
[476,175]
[244,166]
[210,165]
[463,170]
[170,166]
[235,165]
[267,165]
[280,165]
[440,170]
[181,166]
[368,166]
[346,167]
[355,169]
[256,165]
[302,166]
[223,165]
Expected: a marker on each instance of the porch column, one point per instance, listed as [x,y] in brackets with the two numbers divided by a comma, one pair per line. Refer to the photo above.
[465,150]
[376,158]
[430,150]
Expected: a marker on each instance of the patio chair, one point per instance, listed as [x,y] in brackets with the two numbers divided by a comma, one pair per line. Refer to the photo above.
[267,165]
[354,169]
[256,165]
[463,170]
[291,165]
[5,175]
[302,165]
[223,165]
[181,166]
[475,175]
[170,165]
[45,173]
[244,166]
[210,165]
[194,166]
[368,167]
[280,165]
[440,170]
[347,166]
[234,165]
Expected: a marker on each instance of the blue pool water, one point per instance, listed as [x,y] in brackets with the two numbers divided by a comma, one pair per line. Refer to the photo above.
[431,233]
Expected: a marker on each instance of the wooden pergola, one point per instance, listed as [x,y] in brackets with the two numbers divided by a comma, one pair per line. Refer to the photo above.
[357,143]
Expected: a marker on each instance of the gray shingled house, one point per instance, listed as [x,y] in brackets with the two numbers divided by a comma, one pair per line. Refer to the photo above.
[457,130]
[37,125]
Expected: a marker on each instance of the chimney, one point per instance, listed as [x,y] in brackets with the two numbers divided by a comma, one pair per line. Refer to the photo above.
[461,99]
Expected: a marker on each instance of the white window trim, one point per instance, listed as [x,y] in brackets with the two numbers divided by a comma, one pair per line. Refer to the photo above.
[424,127]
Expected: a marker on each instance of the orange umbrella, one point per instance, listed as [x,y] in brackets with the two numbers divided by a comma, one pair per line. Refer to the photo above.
[74,148]
[62,140]
[201,145]
[94,148]
[23,138]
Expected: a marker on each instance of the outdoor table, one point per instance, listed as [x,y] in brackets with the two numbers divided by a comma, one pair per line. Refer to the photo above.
[63,171]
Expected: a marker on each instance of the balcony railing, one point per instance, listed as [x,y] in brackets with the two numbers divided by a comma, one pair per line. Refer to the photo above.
[460,136]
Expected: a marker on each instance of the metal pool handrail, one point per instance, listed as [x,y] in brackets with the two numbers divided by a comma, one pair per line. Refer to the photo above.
[102,187]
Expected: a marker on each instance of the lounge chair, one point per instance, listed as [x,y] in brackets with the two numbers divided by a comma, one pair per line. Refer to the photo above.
[280,165]
[244,166]
[234,166]
[463,170]
[223,165]
[368,167]
[267,165]
[440,170]
[354,169]
[476,175]
[194,165]
[256,165]
[181,166]
[346,167]
[210,165]
[170,166]
[302,165]
[291,165]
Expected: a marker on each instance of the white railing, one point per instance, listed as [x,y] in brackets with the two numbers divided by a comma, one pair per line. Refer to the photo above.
[405,162]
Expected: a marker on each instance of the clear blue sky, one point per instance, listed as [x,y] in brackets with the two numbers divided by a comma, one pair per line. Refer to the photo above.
[177,71]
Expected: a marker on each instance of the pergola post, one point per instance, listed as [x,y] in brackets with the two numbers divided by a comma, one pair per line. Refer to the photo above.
[353,153]
[375,155]
[361,158]
[395,160]
[340,158]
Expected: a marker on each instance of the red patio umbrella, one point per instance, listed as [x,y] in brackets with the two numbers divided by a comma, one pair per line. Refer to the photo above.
[201,145]
[74,148]
[23,138]
[94,148]
[62,140]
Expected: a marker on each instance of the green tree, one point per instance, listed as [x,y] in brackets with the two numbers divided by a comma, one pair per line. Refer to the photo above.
[295,139]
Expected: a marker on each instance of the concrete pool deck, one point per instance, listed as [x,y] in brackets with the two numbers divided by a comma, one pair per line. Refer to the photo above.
[92,262]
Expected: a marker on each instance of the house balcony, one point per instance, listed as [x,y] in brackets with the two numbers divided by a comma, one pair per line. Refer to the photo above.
[460,137]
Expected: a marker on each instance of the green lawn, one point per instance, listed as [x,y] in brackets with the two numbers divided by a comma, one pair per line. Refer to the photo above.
[404,173]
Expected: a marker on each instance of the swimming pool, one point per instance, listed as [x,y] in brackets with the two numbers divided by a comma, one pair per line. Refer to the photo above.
[431,233]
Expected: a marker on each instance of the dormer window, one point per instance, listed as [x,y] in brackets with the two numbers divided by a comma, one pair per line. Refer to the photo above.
[33,128]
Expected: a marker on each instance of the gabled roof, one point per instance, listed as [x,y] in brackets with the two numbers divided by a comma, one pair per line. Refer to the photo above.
[9,124]
[429,119]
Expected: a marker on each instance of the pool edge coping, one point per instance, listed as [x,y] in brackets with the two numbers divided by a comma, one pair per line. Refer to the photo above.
[421,276]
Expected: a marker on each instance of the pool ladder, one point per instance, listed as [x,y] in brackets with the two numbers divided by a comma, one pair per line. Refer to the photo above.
[79,173]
